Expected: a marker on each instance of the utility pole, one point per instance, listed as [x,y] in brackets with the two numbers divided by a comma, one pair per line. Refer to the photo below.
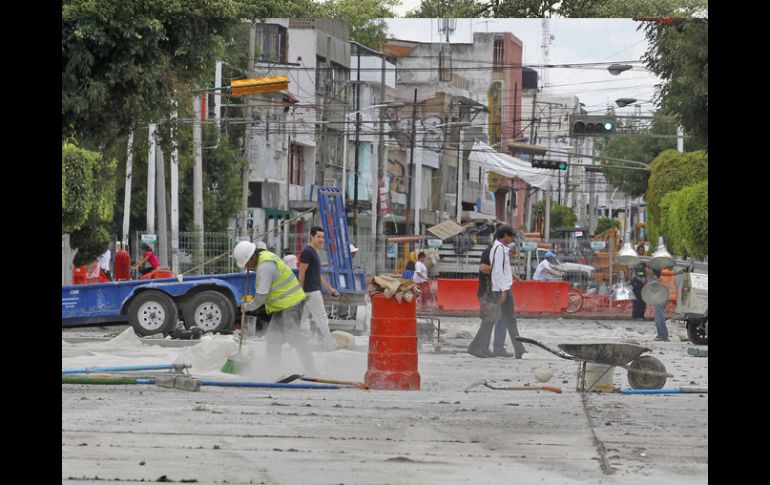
[547,235]
[160,187]
[197,181]
[358,129]
[381,163]
[174,195]
[248,144]
[411,159]
[460,177]
[151,181]
[127,194]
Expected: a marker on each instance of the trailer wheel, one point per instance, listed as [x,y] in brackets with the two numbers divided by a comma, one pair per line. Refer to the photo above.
[152,312]
[210,310]
[697,330]
[646,381]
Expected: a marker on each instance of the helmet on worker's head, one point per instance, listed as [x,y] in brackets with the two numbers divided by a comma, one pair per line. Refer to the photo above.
[353,249]
[549,254]
[243,252]
[260,245]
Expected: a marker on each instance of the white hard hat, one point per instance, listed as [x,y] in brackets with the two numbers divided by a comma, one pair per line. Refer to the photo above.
[353,249]
[243,251]
[261,245]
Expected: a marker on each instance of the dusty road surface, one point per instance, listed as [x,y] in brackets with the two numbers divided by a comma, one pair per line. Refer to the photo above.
[440,434]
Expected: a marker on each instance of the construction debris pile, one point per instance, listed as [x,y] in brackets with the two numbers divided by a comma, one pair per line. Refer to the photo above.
[391,287]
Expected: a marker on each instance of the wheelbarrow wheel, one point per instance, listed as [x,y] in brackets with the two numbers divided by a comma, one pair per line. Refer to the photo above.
[645,381]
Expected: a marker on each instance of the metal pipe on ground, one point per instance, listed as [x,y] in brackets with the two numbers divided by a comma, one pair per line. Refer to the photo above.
[177,382]
[88,370]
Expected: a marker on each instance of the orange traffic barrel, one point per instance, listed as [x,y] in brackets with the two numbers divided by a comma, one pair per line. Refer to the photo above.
[392,360]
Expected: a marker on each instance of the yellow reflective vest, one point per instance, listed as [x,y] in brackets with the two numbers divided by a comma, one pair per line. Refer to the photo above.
[285,292]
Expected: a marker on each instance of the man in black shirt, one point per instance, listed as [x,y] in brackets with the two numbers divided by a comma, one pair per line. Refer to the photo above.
[311,280]
[479,346]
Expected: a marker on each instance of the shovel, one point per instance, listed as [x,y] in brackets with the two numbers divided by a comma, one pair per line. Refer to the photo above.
[294,377]
[485,383]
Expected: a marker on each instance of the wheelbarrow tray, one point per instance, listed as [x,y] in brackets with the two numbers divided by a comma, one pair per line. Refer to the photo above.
[613,354]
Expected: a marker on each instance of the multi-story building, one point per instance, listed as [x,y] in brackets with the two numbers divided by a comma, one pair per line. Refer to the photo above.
[479,82]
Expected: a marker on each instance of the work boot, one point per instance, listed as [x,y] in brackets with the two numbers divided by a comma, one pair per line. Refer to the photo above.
[502,353]
[480,353]
[661,339]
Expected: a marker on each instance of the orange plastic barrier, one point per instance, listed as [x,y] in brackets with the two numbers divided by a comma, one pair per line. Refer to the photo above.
[392,360]
[459,295]
[540,296]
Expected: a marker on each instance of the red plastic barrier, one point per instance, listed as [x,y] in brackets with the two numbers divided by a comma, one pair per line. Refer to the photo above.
[392,359]
[540,296]
[459,295]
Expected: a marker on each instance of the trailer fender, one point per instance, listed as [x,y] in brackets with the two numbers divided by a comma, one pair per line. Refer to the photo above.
[177,290]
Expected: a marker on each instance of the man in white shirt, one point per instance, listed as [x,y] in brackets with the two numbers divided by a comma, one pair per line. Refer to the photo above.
[502,283]
[421,275]
[548,269]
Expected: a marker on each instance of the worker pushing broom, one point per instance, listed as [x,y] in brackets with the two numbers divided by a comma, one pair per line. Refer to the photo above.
[279,291]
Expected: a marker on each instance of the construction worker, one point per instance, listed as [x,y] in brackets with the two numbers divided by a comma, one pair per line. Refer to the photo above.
[279,291]
[548,269]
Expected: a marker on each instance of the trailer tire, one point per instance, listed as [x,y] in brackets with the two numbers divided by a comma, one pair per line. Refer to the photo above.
[152,312]
[210,310]
[697,331]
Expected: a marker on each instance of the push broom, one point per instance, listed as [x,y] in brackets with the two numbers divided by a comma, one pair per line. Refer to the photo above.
[236,364]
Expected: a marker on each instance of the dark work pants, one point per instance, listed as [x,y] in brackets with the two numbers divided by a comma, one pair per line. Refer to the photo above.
[509,317]
[480,342]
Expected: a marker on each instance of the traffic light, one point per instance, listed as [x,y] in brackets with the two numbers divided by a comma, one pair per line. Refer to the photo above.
[592,125]
[550,164]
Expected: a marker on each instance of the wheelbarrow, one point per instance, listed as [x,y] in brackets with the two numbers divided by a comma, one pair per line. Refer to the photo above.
[644,371]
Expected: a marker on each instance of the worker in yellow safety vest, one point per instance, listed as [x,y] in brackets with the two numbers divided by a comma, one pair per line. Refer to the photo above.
[280,292]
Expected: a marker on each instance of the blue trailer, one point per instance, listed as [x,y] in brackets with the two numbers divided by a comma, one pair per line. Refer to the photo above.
[212,302]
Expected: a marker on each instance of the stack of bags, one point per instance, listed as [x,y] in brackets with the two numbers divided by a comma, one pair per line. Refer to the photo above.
[395,287]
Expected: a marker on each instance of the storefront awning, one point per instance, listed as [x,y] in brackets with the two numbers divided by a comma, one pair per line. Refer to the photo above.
[509,166]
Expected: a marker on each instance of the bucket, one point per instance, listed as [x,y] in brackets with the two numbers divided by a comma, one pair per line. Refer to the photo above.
[593,373]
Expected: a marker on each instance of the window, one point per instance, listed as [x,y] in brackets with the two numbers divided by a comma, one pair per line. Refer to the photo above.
[296,163]
[498,55]
[271,43]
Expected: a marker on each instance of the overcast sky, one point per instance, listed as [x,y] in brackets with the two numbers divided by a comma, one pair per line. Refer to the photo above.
[573,41]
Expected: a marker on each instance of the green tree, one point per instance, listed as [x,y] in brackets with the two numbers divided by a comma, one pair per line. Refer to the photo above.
[672,171]
[639,145]
[561,216]
[450,9]
[678,54]
[592,8]
[88,191]
[222,186]
[605,223]
[684,220]
[365,17]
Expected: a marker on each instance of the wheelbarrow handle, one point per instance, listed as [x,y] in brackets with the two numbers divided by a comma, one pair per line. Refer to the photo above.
[558,353]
